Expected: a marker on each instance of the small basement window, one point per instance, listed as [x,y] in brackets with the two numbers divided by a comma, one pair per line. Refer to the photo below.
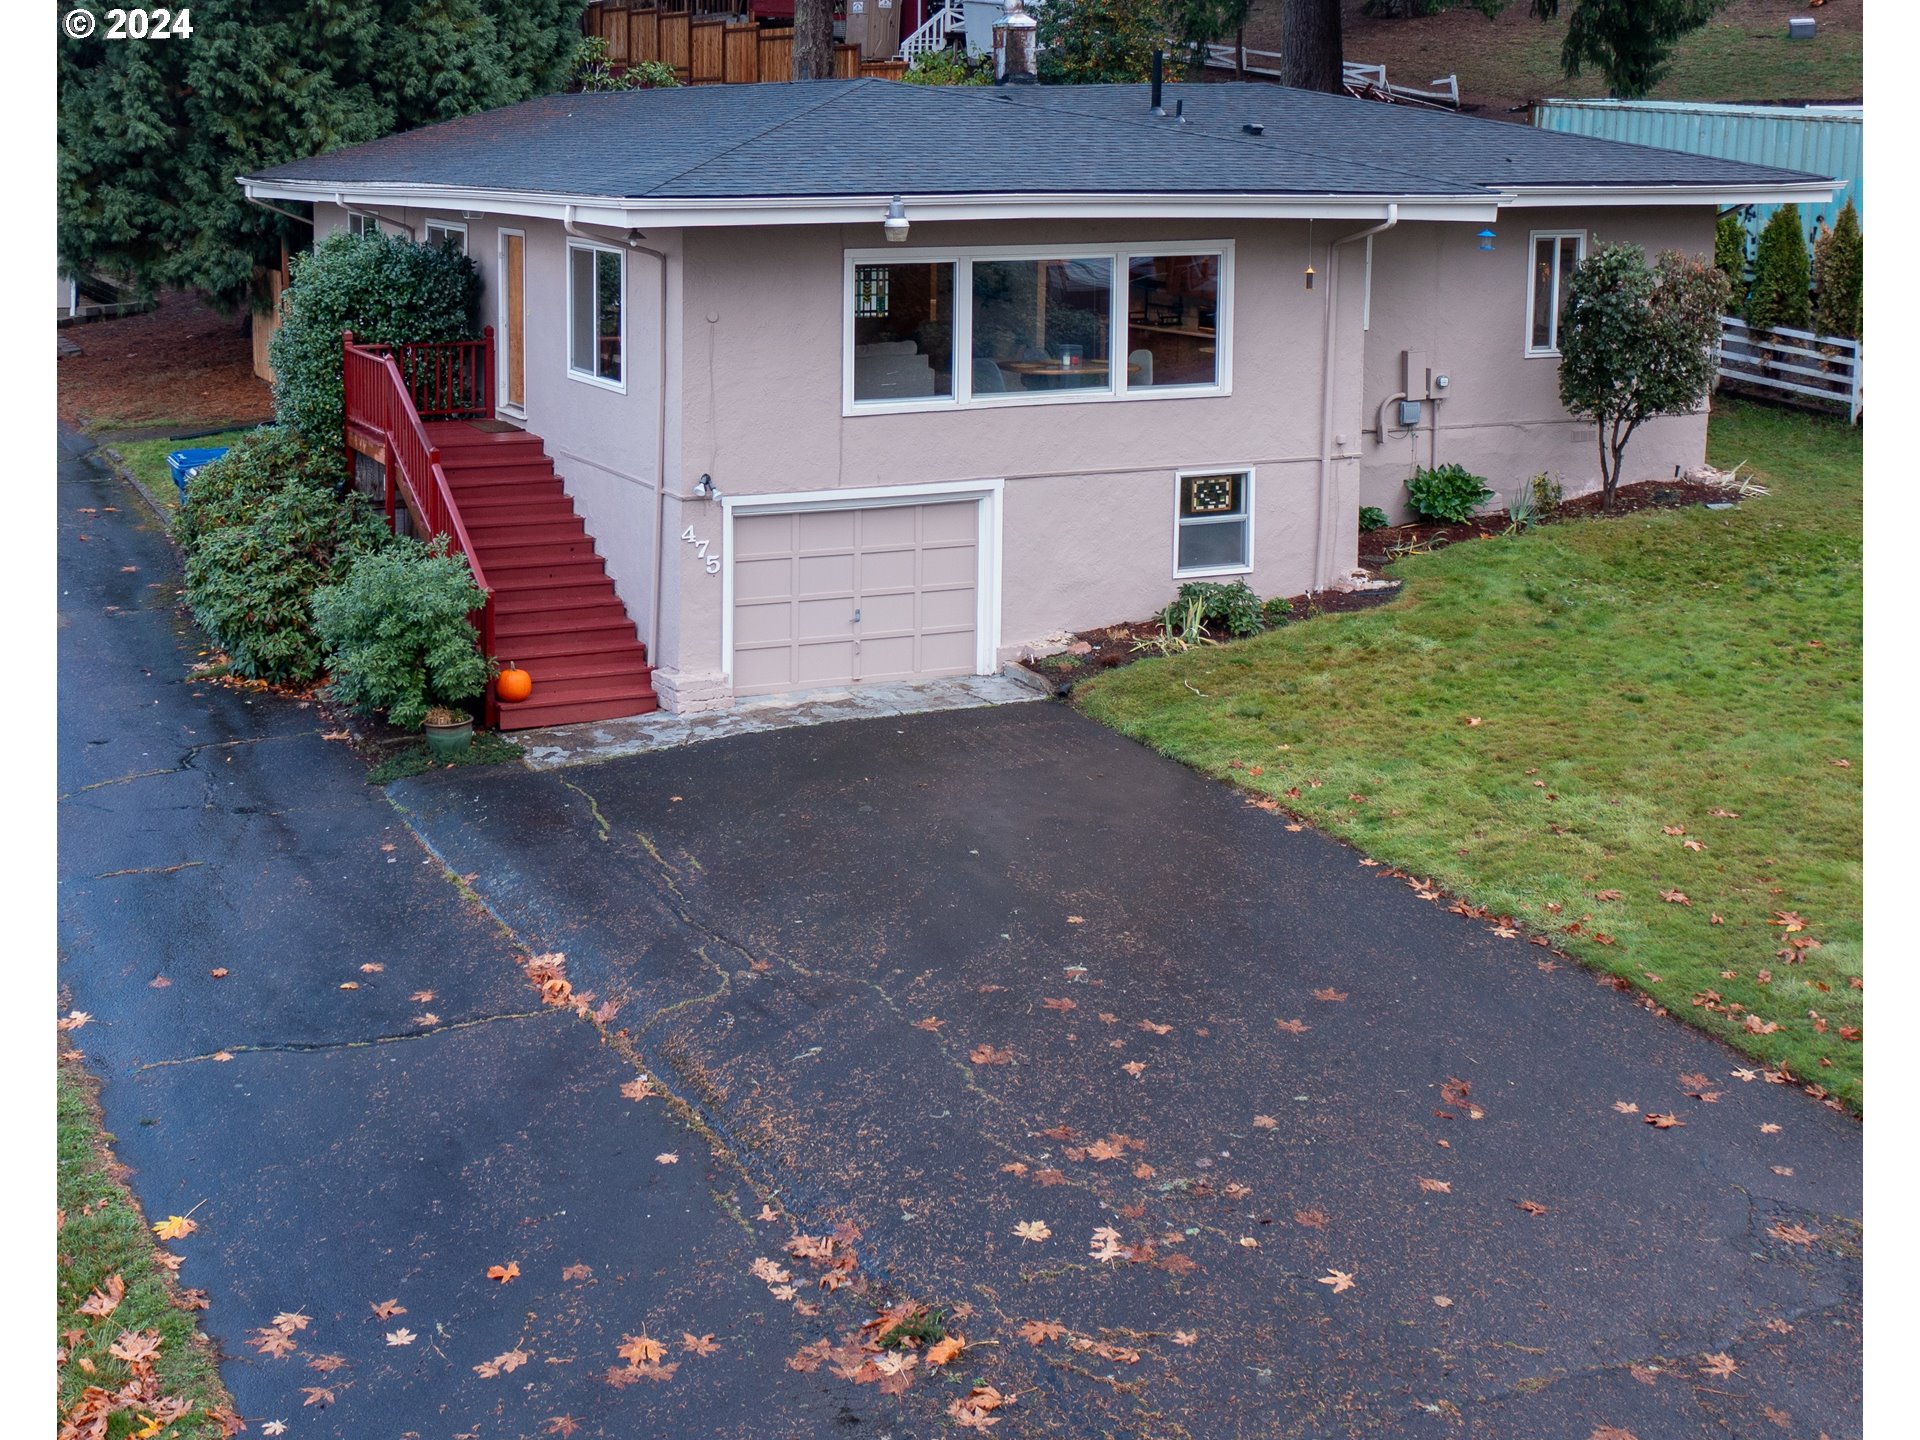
[596,310]
[1213,523]
[1553,260]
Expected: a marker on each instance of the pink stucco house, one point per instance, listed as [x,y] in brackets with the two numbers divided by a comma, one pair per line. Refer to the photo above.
[805,385]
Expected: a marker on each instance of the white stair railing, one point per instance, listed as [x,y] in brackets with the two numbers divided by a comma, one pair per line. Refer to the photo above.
[932,35]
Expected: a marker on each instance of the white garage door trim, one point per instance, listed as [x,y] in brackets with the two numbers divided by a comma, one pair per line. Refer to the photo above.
[987,589]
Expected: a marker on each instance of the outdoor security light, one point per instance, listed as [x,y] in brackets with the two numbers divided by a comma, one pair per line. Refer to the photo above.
[895,225]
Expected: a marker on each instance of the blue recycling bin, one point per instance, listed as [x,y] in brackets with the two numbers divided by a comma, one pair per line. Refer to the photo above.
[185,464]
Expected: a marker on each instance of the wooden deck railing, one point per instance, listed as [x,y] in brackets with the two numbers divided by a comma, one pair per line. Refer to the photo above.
[381,409]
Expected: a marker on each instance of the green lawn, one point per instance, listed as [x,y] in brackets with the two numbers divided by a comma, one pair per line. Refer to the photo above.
[147,459]
[103,1236]
[1630,677]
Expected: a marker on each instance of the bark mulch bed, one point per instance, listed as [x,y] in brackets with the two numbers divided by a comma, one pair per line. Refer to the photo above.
[181,365]
[1112,646]
[1382,547]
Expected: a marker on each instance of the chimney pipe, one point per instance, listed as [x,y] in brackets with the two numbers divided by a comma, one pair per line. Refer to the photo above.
[1158,108]
[1015,61]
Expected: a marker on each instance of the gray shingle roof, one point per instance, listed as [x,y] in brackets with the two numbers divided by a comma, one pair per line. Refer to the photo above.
[868,137]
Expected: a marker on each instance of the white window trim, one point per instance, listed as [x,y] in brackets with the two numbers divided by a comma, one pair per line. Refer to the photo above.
[1533,245]
[1247,489]
[988,493]
[587,377]
[962,260]
[452,227]
[361,223]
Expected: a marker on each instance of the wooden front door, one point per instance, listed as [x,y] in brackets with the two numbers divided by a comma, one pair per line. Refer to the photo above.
[513,321]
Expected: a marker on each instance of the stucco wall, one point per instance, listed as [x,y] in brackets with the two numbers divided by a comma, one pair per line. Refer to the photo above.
[1435,290]
[1089,487]
[602,442]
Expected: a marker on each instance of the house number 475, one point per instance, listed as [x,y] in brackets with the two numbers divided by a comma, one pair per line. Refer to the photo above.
[700,548]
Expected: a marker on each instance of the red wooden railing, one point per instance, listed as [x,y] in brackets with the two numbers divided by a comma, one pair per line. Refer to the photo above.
[447,379]
[381,407]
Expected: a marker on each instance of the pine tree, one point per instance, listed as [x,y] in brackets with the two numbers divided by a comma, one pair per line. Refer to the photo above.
[1628,41]
[1781,279]
[1841,277]
[152,135]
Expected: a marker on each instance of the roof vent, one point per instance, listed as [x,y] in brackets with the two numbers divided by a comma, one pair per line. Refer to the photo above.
[1254,127]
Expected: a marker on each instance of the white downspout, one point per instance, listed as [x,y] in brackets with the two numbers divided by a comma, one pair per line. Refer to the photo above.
[1323,544]
[660,426]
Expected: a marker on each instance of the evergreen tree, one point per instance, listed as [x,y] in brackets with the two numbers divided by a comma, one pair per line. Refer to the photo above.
[151,135]
[1102,42]
[1730,255]
[1627,41]
[1840,278]
[1778,298]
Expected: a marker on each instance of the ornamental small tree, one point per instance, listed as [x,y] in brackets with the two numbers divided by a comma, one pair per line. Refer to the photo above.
[1637,341]
[1781,275]
[386,290]
[1840,278]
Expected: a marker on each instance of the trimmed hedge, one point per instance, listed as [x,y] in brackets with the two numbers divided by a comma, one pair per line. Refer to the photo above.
[386,290]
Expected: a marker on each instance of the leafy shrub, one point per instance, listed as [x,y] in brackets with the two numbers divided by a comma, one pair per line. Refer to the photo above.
[1233,608]
[1547,494]
[1275,612]
[1781,278]
[398,632]
[383,288]
[1372,517]
[1449,493]
[949,67]
[261,527]
[1103,42]
[593,70]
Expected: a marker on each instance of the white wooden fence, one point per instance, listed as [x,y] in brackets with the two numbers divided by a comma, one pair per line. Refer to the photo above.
[1796,362]
[1366,81]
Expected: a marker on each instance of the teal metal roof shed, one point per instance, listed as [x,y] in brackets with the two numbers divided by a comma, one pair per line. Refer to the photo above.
[1819,139]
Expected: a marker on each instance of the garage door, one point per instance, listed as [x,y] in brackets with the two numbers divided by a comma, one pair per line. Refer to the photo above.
[836,597]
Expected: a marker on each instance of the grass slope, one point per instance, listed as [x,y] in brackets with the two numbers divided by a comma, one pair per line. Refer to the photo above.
[1629,675]
[147,459]
[103,1234]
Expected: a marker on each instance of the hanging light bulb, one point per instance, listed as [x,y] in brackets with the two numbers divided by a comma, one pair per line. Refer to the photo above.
[1309,254]
[1486,239]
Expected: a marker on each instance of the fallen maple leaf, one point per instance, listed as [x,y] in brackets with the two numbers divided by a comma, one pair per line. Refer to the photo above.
[274,1427]
[1531,1207]
[1443,1301]
[641,1349]
[316,1395]
[1153,1028]
[638,1088]
[1626,1107]
[73,1020]
[1061,1004]
[136,1347]
[503,1273]
[1329,993]
[1719,1365]
[175,1227]
[1792,1234]
[387,1309]
[1106,1245]
[1292,1027]
[502,1364]
[1438,1187]
[987,1055]
[1340,1280]
[929,1024]
[1664,1121]
[270,1341]
[666,1157]
[1039,1332]
[1035,1230]
[104,1300]
[402,1336]
[699,1344]
[1076,920]
[562,1425]
[943,1351]
[1312,1219]
[1135,1068]
[421,997]
[1674,897]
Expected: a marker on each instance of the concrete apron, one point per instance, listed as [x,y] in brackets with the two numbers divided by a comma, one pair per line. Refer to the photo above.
[563,745]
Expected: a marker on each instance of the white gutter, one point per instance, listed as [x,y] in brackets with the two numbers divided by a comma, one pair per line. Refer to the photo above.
[1722,196]
[660,454]
[1323,535]
[639,212]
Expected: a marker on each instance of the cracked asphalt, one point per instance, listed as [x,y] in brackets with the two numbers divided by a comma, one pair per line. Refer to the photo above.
[930,977]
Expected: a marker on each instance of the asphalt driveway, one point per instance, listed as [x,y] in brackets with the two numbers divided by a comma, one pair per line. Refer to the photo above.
[1293,1151]
[940,976]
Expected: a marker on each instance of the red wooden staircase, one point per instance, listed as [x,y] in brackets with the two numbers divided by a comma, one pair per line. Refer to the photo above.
[492,492]
[555,613]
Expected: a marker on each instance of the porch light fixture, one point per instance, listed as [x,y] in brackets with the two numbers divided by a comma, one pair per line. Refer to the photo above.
[1309,250]
[895,225]
[1486,239]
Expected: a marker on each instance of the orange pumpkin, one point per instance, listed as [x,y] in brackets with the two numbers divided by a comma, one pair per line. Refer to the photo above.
[513,683]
